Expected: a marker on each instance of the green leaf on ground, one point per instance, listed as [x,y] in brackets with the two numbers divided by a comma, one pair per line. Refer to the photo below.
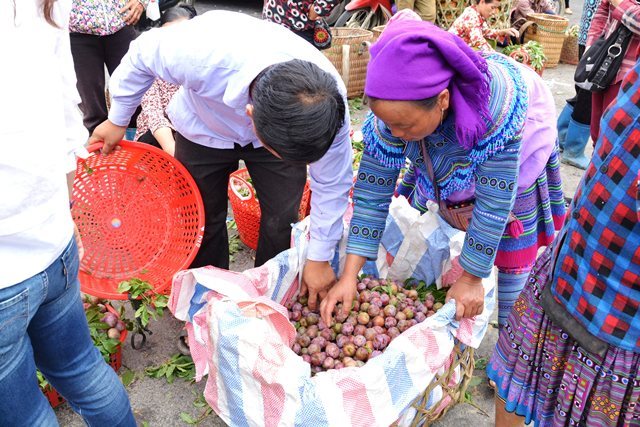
[475,381]
[481,363]
[128,377]
[188,418]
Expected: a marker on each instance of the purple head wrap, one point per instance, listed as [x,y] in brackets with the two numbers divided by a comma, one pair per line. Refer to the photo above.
[415,60]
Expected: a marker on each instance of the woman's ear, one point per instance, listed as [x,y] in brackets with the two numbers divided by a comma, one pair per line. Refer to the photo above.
[443,99]
[249,110]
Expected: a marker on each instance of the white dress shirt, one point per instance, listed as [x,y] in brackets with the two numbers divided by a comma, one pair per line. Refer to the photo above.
[214,58]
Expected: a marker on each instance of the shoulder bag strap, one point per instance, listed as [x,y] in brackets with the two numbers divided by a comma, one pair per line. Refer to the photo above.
[432,177]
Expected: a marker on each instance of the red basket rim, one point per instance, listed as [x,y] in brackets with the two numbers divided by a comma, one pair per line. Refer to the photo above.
[158,287]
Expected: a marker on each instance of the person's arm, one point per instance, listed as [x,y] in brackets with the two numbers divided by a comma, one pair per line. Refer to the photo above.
[133,10]
[154,106]
[628,12]
[162,53]
[380,166]
[331,180]
[598,23]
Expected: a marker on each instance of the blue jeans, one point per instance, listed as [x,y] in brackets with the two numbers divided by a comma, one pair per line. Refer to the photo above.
[42,325]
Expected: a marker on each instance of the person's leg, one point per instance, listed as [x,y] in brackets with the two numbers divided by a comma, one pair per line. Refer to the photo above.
[404,4]
[65,354]
[115,47]
[88,60]
[563,123]
[426,9]
[22,402]
[210,169]
[279,187]
[510,284]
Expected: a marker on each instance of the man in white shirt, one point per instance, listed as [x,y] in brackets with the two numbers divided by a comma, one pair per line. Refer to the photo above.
[250,90]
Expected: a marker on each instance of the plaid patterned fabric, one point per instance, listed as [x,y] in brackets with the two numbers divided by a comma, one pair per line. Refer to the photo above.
[598,272]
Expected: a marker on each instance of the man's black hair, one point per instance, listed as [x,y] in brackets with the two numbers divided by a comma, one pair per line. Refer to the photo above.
[297,110]
[181,10]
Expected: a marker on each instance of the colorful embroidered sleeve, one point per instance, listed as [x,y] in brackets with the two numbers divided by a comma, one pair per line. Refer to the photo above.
[379,169]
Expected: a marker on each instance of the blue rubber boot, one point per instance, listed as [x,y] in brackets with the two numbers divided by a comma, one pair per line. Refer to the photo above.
[574,144]
[563,124]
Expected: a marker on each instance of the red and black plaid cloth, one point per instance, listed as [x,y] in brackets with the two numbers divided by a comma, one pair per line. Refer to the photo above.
[598,269]
[294,14]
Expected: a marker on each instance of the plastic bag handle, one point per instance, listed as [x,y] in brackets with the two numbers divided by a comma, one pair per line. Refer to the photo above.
[241,182]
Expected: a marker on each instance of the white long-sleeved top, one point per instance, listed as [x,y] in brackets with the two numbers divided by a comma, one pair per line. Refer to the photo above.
[40,129]
[214,58]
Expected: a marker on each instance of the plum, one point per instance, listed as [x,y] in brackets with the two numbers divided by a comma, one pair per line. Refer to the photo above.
[378,321]
[313,318]
[305,311]
[295,316]
[370,333]
[364,296]
[304,351]
[347,329]
[390,311]
[373,284]
[332,350]
[296,307]
[113,333]
[353,319]
[385,299]
[341,340]
[86,306]
[359,340]
[303,322]
[393,301]
[355,306]
[379,342]
[328,334]
[349,350]
[312,331]
[401,316]
[338,365]
[361,286]
[101,307]
[328,363]
[430,313]
[321,325]
[428,305]
[408,312]
[437,306]
[377,302]
[296,348]
[420,308]
[375,353]
[320,341]
[379,329]
[313,349]
[306,358]
[359,330]
[349,362]
[120,326]
[303,340]
[317,359]
[420,317]
[362,354]
[337,327]
[363,318]
[365,306]
[373,311]
[110,319]
[390,322]
[413,294]
[403,325]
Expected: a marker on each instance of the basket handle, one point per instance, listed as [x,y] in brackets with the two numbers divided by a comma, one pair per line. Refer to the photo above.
[523,29]
[242,183]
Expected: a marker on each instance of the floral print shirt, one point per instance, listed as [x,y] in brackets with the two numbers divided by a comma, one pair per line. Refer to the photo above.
[294,14]
[474,29]
[154,105]
[98,17]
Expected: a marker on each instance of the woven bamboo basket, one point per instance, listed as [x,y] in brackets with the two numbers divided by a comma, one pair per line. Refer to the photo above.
[549,31]
[502,19]
[377,31]
[448,11]
[349,53]
[569,54]
[453,382]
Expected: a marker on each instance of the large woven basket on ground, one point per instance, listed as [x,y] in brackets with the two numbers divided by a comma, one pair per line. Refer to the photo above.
[549,31]
[349,53]
[453,382]
[377,31]
[569,54]
[448,11]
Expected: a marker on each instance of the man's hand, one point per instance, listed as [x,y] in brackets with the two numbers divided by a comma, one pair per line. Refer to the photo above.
[509,32]
[108,133]
[344,291]
[132,12]
[468,293]
[317,278]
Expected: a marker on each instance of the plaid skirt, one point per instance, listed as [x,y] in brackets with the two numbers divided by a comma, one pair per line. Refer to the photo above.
[544,375]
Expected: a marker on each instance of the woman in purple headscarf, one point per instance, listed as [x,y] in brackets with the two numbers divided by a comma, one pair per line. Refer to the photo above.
[482,127]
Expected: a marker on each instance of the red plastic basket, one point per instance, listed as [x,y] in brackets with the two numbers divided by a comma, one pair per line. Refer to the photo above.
[246,208]
[139,213]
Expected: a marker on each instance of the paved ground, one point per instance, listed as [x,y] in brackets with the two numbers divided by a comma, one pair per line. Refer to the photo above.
[161,404]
